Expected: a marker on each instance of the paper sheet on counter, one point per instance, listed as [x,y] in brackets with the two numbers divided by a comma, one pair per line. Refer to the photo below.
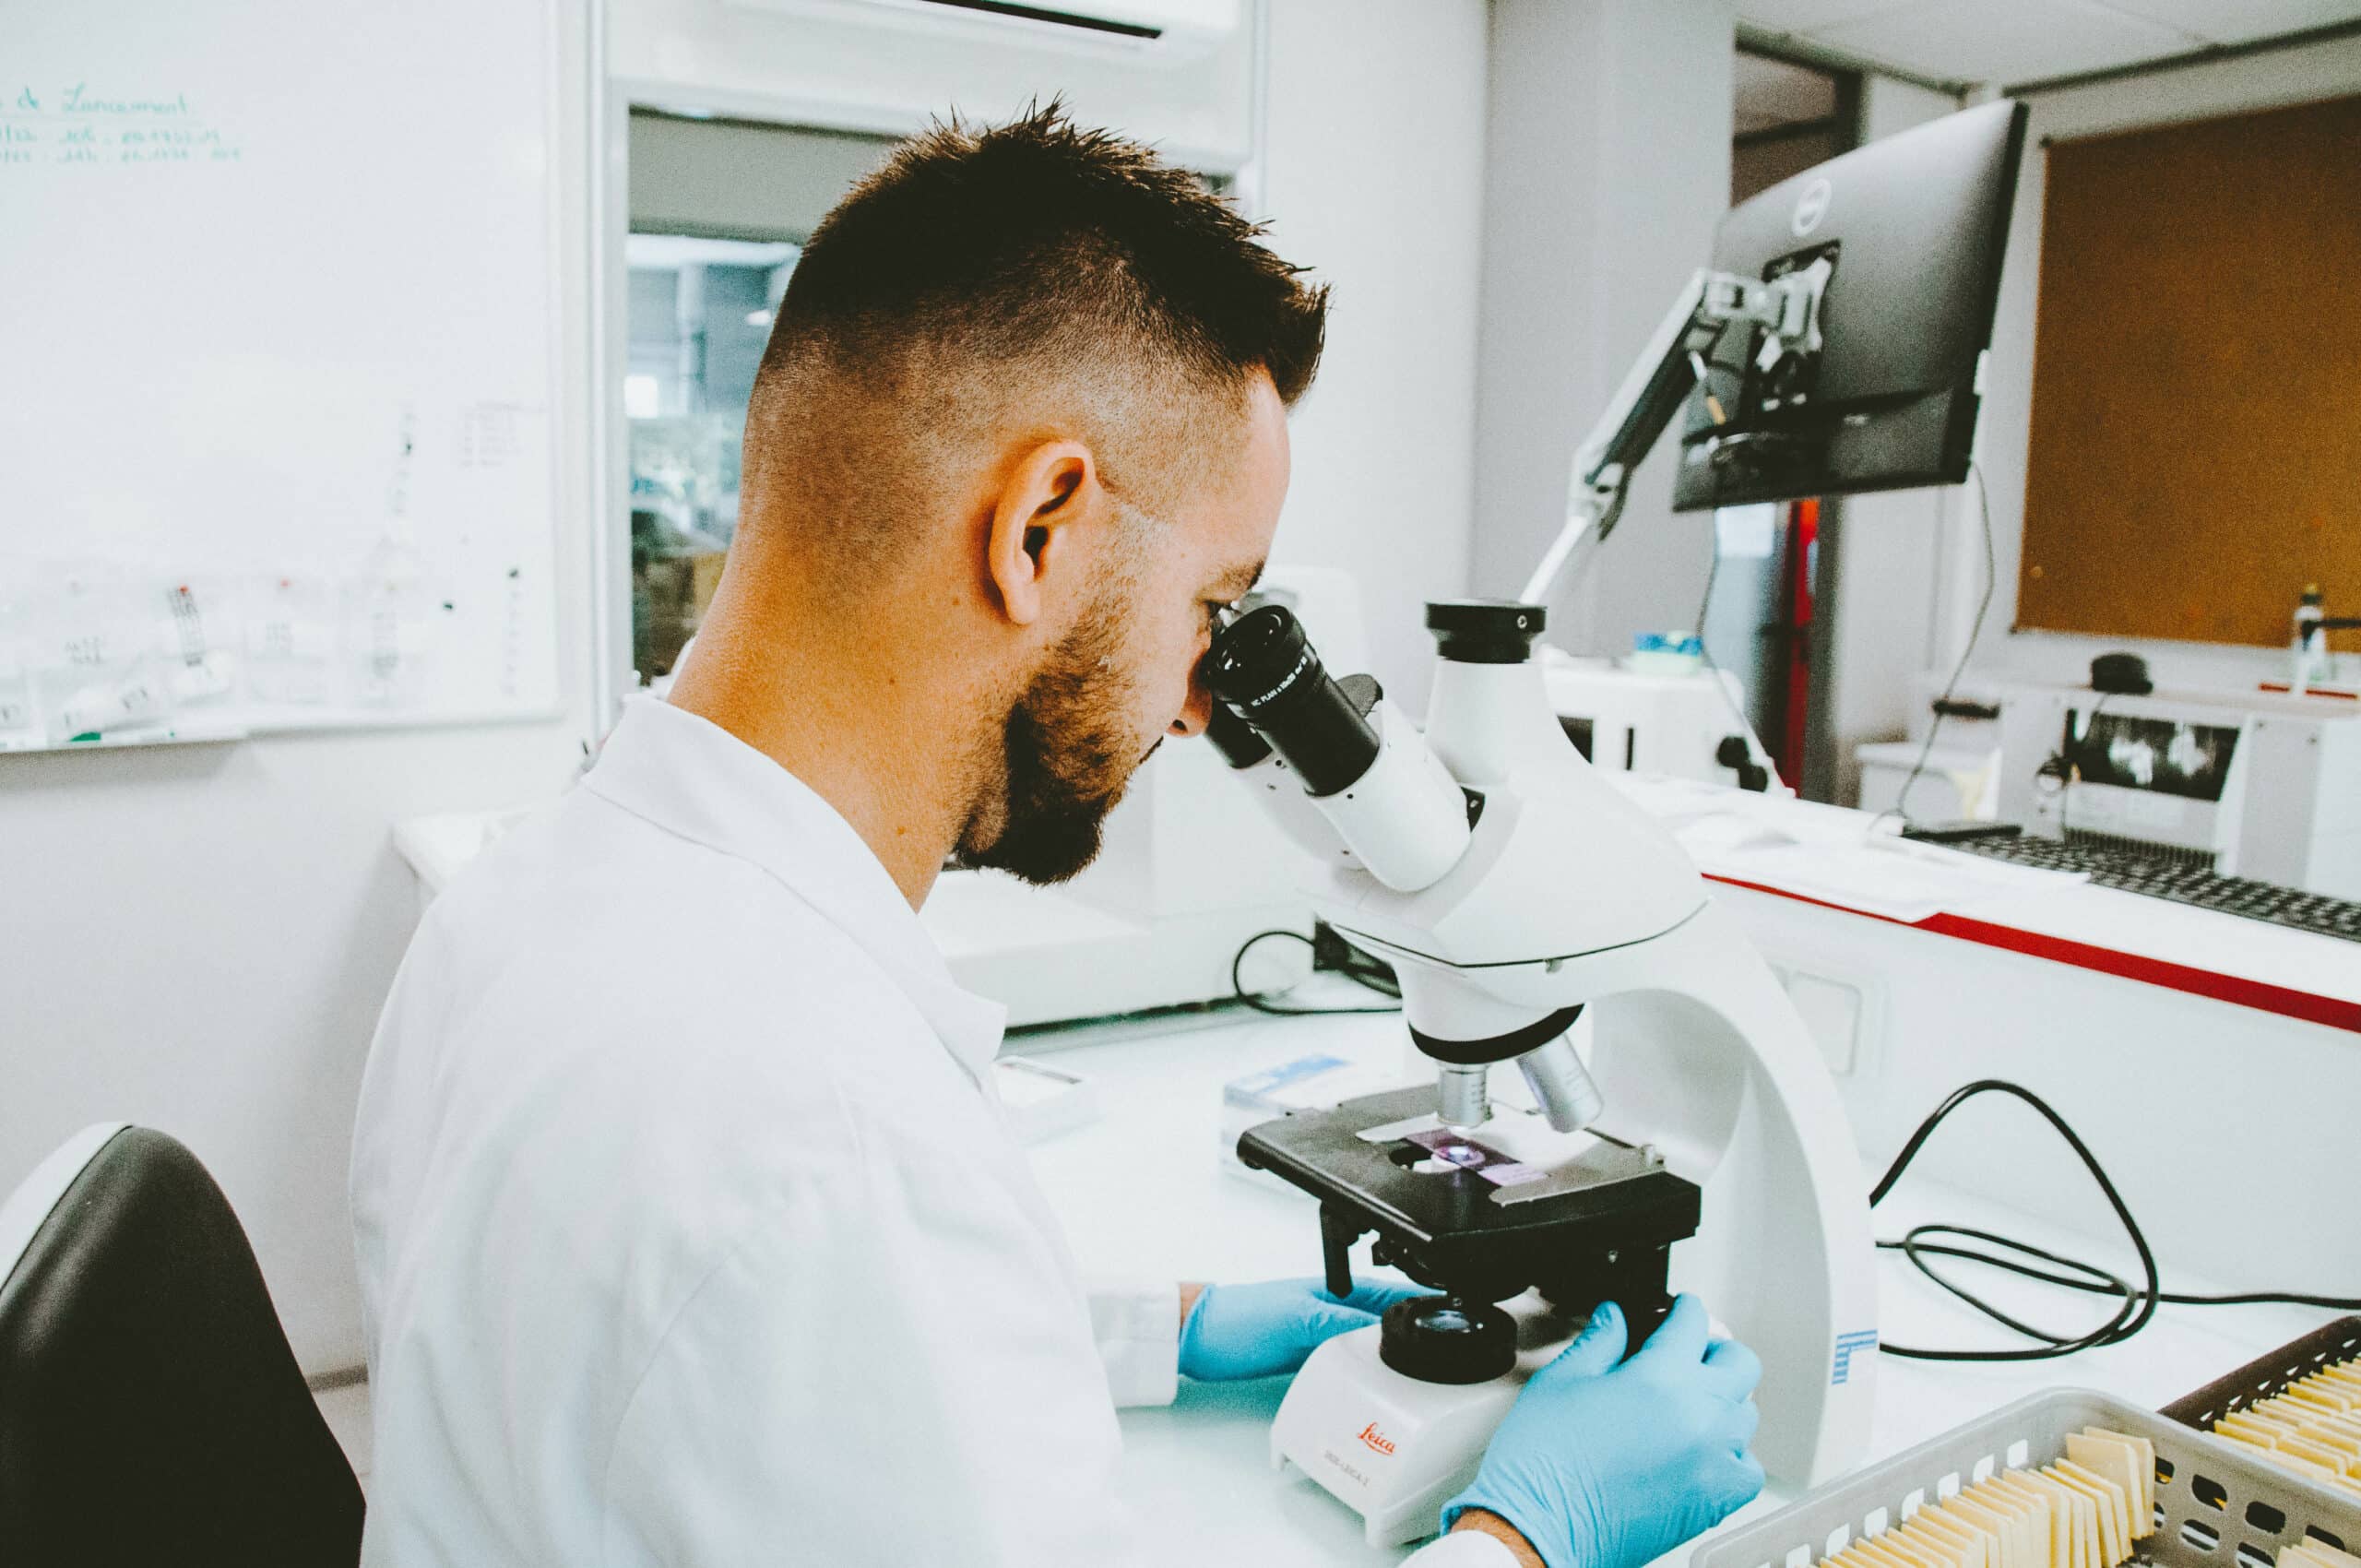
[1827,853]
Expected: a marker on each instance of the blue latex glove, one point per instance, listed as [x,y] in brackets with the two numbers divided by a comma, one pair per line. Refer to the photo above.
[1238,1331]
[1606,1465]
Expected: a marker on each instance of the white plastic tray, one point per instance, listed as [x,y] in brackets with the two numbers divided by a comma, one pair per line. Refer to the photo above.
[2216,1505]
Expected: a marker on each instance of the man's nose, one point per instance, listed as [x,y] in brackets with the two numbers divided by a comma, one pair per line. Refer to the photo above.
[1198,710]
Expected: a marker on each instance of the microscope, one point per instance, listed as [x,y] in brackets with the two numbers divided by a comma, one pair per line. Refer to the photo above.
[1686,1134]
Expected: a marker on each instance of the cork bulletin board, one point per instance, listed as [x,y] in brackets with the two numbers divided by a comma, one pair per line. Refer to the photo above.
[2196,439]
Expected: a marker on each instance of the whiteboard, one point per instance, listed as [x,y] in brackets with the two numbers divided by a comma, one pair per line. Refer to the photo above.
[278,298]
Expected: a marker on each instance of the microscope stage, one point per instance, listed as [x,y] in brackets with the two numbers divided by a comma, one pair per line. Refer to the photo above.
[1445,1224]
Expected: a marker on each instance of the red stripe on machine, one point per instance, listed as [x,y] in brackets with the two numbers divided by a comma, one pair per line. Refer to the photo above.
[2332,1012]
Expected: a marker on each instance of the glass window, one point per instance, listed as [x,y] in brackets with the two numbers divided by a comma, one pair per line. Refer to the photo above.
[700,312]
[720,210]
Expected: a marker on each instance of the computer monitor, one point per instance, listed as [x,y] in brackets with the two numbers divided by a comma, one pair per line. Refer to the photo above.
[1914,226]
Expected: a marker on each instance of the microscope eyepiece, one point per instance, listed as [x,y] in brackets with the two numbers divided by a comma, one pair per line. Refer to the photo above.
[1264,667]
[1394,805]
[1237,741]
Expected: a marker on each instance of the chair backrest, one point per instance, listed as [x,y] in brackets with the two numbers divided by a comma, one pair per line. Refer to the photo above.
[151,1412]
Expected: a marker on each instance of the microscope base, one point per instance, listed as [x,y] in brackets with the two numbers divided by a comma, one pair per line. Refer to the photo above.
[1392,1448]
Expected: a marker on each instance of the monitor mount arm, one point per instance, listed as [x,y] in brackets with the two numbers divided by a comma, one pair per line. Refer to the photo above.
[1787,311]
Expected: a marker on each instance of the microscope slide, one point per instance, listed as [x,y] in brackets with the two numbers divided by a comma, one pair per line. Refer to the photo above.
[2071,1514]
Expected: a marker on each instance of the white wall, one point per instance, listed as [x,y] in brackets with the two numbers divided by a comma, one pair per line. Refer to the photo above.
[1608,165]
[894,73]
[2256,81]
[1372,169]
[198,938]
[1374,177]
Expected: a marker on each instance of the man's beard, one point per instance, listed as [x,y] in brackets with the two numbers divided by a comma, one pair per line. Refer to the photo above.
[1066,758]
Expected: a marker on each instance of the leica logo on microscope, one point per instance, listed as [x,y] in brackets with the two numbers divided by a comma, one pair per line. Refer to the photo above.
[1376,1439]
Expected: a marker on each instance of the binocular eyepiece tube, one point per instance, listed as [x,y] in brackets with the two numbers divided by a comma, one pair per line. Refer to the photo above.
[1366,769]
[1265,670]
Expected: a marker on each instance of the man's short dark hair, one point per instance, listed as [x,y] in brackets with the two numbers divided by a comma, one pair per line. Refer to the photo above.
[1031,250]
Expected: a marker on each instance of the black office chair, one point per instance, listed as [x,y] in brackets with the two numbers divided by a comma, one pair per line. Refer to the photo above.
[151,1410]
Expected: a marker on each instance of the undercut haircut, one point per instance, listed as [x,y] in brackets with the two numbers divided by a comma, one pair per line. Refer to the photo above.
[990,284]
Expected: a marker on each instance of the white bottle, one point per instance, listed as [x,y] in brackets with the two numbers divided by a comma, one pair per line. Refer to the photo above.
[2308,650]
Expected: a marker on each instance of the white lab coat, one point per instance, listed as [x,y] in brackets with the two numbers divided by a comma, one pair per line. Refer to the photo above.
[689,1230]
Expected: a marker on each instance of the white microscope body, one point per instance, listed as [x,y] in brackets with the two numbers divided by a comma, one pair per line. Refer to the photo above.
[1563,895]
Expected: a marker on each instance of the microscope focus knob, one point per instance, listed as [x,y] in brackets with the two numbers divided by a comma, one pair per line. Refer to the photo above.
[1444,1339]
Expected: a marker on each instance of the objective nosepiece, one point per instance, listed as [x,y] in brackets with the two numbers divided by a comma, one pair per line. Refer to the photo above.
[1463,1094]
[1569,1096]
[1553,1069]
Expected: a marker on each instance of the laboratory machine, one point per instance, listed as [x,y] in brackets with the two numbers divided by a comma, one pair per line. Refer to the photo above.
[1686,723]
[1686,1134]
[2246,804]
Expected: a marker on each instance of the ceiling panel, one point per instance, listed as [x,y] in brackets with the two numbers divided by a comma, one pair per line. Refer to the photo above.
[2242,21]
[1802,16]
[2006,41]
[2003,41]
[1772,93]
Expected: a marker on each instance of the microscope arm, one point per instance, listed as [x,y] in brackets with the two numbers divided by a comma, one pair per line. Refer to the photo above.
[1699,1049]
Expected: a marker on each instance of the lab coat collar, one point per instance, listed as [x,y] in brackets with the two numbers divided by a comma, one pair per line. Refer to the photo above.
[692,777]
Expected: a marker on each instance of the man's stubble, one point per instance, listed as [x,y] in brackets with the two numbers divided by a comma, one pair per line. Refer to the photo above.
[1066,754]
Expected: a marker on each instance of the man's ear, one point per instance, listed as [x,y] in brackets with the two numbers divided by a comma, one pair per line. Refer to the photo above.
[1030,543]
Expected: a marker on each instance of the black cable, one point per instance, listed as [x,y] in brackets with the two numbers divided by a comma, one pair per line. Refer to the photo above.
[1712,571]
[1757,749]
[2139,1306]
[1918,1250]
[2114,1285]
[2064,764]
[2138,1303]
[1992,579]
[1608,518]
[1255,999]
[2069,763]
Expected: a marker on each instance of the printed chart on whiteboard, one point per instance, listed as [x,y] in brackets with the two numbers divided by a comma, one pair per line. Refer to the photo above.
[279,304]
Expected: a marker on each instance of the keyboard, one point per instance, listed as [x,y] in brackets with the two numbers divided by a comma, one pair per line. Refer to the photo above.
[2159,876]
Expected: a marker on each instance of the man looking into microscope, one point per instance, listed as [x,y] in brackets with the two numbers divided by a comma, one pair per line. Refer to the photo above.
[689,1229]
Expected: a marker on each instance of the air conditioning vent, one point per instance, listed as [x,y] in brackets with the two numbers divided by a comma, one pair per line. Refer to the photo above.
[1112,25]
[1156,30]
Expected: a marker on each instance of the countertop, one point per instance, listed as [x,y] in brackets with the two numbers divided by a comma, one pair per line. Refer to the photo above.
[1143,1190]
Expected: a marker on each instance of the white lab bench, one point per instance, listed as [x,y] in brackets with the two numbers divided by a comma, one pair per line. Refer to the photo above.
[2169,1035]
[1143,1190]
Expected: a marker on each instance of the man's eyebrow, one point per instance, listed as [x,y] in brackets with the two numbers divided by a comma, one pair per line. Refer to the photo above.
[1237,582]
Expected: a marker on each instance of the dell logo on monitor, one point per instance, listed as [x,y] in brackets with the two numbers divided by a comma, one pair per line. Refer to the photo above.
[1810,207]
